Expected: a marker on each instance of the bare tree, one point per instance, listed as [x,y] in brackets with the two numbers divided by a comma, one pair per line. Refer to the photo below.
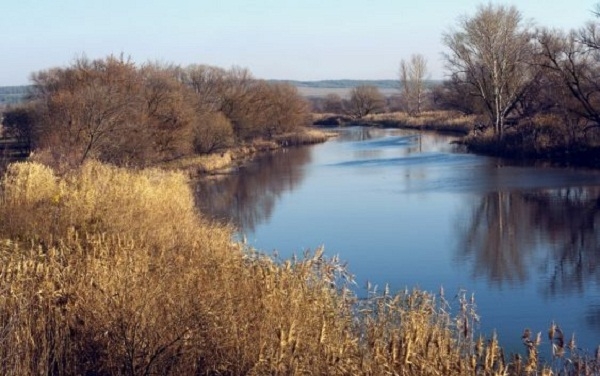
[412,79]
[90,109]
[573,61]
[454,94]
[208,83]
[168,110]
[287,110]
[212,132]
[364,100]
[491,51]
[19,122]
[333,103]
[111,110]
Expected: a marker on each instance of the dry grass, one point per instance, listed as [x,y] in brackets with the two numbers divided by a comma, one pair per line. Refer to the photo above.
[446,121]
[105,271]
[217,162]
[305,136]
[37,205]
[202,164]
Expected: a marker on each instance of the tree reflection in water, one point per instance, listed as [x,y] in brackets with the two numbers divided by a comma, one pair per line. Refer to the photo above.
[570,219]
[552,232]
[498,237]
[505,229]
[247,199]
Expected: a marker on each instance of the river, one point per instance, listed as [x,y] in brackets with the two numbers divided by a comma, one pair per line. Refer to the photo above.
[410,209]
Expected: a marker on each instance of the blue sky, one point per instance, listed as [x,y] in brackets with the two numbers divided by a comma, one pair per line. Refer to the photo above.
[279,39]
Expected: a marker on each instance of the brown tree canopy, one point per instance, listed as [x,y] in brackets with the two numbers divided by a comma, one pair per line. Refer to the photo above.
[115,111]
[90,109]
[365,100]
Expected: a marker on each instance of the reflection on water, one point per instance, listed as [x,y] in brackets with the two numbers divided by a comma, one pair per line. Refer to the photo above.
[360,134]
[498,235]
[406,209]
[247,198]
[548,238]
[570,219]
[505,229]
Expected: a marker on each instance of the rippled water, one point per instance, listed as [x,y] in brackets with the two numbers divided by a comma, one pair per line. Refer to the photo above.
[409,210]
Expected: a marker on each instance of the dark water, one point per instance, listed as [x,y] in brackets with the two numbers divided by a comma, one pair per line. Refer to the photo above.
[411,211]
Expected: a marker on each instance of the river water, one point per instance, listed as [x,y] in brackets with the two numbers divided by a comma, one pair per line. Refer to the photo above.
[408,209]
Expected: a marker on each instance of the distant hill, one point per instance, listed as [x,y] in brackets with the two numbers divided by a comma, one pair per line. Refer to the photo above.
[348,84]
[342,87]
[342,84]
[12,94]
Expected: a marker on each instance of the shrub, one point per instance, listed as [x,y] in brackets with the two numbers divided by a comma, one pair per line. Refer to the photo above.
[212,132]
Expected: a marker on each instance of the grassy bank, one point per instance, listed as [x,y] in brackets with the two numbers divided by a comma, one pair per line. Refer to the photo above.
[441,121]
[109,271]
[223,162]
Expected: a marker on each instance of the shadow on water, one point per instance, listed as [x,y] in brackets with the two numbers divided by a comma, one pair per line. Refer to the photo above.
[497,238]
[247,198]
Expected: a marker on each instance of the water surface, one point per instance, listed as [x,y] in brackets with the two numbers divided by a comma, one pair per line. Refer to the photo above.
[409,210]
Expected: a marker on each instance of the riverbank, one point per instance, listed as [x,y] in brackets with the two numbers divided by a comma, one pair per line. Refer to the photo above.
[525,146]
[225,161]
[441,121]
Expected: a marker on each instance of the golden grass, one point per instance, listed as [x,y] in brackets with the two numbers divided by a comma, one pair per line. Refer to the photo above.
[201,164]
[107,271]
[218,162]
[38,205]
[447,121]
[304,136]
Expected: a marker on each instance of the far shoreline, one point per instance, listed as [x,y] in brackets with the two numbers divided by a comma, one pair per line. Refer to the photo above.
[511,147]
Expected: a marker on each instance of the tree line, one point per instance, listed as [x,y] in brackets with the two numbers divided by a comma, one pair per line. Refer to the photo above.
[115,111]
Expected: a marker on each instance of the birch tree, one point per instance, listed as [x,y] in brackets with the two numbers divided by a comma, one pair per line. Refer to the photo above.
[412,79]
[491,52]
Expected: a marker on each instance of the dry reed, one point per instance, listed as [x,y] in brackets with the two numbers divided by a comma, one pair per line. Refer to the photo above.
[201,164]
[447,121]
[304,136]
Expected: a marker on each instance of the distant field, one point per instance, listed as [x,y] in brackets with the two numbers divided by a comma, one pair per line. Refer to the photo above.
[342,88]
[318,92]
[12,94]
